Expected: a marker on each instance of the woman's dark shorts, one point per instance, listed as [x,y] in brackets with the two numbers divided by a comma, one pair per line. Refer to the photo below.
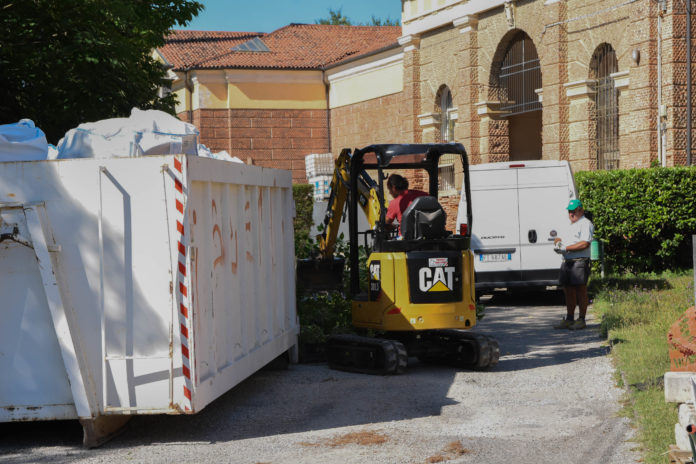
[575,271]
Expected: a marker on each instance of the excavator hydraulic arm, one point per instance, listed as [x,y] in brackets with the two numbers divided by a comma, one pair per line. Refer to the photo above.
[368,199]
[326,272]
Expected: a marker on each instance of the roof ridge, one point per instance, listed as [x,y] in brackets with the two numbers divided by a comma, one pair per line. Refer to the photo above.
[350,26]
[244,36]
[353,26]
[206,31]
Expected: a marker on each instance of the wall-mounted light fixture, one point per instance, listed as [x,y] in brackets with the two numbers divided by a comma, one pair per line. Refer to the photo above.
[635,56]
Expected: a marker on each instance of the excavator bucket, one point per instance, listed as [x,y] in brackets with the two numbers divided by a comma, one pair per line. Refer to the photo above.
[316,275]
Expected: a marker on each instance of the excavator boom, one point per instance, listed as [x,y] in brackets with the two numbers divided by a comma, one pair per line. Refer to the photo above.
[326,271]
[368,199]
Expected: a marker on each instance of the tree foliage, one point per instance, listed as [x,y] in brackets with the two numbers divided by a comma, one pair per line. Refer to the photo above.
[645,217]
[336,17]
[63,62]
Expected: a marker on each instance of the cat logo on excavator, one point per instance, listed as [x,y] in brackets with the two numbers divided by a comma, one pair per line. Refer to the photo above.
[439,279]
[435,279]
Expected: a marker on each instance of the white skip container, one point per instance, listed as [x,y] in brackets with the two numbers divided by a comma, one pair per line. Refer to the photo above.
[145,285]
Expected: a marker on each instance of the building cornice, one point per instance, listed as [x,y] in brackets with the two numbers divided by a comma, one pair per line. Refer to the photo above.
[540,94]
[489,109]
[466,23]
[429,120]
[373,63]
[621,80]
[409,42]
[447,14]
[580,89]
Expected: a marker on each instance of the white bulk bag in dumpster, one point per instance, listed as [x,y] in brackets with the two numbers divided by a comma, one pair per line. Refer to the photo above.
[140,285]
[22,141]
[144,132]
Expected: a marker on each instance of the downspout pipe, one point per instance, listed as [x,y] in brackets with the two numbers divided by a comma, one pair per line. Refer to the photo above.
[325,79]
[189,95]
[688,82]
[660,122]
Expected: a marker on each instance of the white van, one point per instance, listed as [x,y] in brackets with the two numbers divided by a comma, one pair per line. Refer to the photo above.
[518,209]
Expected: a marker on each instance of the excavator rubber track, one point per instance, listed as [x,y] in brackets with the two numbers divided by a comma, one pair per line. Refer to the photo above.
[461,349]
[366,355]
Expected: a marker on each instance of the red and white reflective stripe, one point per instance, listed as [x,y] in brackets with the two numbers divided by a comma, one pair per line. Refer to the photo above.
[182,278]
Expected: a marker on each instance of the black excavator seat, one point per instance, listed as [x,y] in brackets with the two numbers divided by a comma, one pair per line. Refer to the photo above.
[424,219]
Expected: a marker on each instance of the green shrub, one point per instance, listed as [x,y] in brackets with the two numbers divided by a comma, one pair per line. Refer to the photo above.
[645,217]
[304,204]
[322,314]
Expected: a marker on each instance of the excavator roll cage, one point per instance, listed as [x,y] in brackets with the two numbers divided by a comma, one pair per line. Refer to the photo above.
[399,157]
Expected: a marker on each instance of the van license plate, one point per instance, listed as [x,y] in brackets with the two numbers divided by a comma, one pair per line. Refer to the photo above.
[495,257]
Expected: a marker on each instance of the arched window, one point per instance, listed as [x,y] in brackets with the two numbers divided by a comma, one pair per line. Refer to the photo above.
[448,163]
[520,76]
[603,65]
[446,122]
[515,78]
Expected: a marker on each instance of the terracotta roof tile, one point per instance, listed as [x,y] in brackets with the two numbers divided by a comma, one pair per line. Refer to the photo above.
[296,46]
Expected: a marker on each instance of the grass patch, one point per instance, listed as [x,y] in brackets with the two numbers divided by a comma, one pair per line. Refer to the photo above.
[636,313]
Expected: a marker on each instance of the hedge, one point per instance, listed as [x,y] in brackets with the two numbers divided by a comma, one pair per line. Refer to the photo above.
[644,217]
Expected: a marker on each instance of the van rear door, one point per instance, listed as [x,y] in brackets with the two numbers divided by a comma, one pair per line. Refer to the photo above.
[544,192]
[495,238]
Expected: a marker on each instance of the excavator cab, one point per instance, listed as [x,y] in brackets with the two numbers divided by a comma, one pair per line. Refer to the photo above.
[420,296]
[423,220]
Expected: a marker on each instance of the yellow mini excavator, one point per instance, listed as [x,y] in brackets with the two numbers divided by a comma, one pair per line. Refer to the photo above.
[420,298]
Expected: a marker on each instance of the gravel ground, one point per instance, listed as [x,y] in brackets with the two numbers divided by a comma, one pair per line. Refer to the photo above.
[551,399]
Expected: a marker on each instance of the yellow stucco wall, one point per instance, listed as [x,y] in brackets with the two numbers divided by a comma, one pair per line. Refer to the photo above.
[367,85]
[209,95]
[261,89]
[276,95]
[181,100]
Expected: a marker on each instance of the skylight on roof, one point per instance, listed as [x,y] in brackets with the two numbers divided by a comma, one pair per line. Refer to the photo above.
[253,45]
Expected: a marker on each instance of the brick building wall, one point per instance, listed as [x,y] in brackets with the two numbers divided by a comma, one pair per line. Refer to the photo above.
[366,123]
[674,51]
[465,54]
[271,138]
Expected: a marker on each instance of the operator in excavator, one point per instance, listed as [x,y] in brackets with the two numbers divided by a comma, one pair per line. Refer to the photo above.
[402,197]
